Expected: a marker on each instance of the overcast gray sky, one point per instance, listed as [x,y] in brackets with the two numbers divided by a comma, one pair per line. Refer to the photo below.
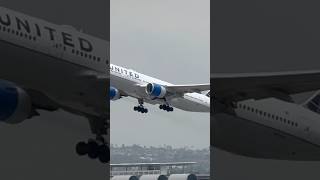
[169,40]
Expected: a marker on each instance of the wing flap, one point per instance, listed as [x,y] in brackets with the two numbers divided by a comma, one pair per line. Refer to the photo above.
[261,85]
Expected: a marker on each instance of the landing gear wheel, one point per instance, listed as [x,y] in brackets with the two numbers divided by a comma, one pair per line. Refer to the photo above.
[82,148]
[97,148]
[166,108]
[104,154]
[140,109]
[93,149]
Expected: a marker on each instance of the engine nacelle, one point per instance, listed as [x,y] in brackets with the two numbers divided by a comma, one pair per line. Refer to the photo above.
[156,90]
[15,103]
[114,94]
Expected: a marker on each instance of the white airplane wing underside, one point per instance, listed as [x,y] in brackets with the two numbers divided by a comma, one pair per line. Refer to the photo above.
[243,86]
[188,88]
[181,89]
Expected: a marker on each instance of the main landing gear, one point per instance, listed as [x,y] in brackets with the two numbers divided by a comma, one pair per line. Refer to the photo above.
[94,149]
[140,107]
[97,148]
[166,108]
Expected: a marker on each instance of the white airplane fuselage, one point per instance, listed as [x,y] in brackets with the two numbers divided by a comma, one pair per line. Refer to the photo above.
[61,64]
[127,79]
[45,66]
[269,128]
[53,61]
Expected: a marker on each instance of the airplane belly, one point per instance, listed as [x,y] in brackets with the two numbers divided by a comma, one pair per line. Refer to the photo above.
[243,137]
[56,78]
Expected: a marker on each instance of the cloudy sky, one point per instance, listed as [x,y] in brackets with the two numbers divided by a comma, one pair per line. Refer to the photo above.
[169,40]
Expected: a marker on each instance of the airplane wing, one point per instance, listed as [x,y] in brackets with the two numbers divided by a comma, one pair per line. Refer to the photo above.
[188,88]
[180,89]
[243,86]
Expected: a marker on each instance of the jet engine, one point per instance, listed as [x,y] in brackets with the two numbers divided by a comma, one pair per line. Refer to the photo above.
[156,90]
[114,94]
[15,103]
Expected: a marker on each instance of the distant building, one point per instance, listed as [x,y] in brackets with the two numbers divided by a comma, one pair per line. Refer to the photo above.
[139,169]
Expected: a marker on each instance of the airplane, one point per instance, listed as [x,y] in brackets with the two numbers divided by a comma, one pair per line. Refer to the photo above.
[254,115]
[127,82]
[45,66]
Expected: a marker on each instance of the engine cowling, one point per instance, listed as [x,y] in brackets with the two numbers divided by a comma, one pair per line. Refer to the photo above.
[114,94]
[15,103]
[156,90]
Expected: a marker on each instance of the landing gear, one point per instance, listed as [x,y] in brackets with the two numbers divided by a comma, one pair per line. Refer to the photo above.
[140,107]
[96,148]
[166,108]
